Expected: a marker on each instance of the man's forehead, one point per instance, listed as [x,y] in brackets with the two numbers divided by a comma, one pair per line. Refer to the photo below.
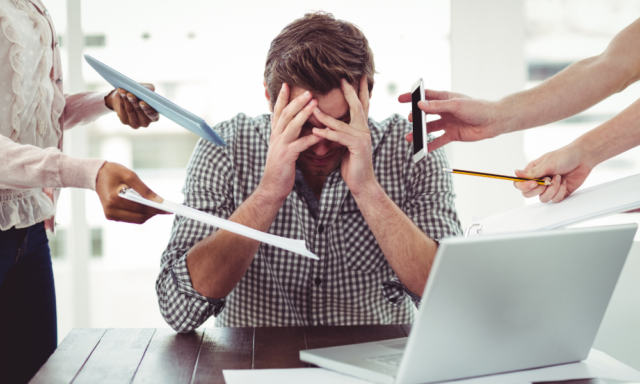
[333,103]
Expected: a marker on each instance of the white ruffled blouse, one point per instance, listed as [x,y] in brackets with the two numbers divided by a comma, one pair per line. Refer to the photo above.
[31,118]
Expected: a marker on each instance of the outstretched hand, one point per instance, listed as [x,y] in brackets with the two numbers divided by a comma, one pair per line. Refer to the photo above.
[131,111]
[568,166]
[461,118]
[112,178]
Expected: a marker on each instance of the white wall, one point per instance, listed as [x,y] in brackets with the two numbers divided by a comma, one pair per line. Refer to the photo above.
[487,62]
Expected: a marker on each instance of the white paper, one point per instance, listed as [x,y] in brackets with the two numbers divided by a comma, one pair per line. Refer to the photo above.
[597,365]
[585,204]
[286,376]
[297,246]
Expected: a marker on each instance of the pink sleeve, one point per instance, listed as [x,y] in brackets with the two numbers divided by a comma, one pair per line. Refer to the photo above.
[26,166]
[83,108]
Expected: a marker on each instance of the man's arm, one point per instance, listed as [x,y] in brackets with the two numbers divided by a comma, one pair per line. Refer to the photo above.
[578,87]
[217,263]
[408,250]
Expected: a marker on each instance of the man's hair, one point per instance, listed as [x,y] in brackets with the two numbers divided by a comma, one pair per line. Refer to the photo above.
[315,52]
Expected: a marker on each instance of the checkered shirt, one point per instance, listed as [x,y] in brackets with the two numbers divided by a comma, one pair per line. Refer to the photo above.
[351,284]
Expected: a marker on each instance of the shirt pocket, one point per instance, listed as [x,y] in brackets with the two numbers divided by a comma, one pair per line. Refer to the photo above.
[361,250]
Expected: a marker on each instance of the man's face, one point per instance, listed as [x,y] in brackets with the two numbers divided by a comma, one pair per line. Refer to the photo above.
[324,157]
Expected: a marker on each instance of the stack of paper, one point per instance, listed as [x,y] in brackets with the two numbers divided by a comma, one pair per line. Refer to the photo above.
[597,365]
[585,204]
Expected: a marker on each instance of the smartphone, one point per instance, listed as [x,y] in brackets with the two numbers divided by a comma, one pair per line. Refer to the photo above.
[419,122]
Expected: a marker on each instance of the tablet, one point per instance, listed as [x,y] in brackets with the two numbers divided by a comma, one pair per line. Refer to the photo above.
[165,107]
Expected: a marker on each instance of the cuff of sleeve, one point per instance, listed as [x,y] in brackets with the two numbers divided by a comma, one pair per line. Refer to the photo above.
[395,292]
[79,173]
[182,279]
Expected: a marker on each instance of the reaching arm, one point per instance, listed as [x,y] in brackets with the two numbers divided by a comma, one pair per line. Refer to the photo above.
[571,91]
[573,163]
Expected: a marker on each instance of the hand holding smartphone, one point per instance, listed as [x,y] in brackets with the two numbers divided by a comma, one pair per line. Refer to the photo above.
[419,122]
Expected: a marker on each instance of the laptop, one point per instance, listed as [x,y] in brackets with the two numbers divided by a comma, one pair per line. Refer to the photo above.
[497,304]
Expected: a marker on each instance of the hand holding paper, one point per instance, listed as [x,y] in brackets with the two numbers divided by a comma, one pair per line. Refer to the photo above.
[296,246]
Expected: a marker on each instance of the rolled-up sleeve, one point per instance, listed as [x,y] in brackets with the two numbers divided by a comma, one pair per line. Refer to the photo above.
[208,188]
[430,205]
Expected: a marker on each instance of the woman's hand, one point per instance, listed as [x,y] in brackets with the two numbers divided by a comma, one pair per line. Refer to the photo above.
[130,110]
[112,178]
[568,164]
[461,117]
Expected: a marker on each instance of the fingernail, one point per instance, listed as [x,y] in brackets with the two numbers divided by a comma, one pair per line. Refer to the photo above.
[423,104]
[307,93]
[122,94]
[131,99]
[282,88]
[533,185]
[564,182]
[317,110]
[519,171]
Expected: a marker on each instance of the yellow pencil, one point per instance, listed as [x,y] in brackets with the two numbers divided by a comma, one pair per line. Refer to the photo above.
[491,175]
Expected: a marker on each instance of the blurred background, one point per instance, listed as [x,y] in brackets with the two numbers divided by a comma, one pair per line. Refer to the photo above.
[208,56]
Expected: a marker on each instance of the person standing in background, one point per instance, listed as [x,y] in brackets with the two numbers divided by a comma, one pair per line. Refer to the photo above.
[33,116]
[575,89]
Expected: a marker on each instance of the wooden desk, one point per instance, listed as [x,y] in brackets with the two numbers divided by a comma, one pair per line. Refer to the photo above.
[163,356]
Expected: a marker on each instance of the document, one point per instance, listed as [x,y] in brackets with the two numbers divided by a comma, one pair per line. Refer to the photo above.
[585,204]
[597,365]
[296,246]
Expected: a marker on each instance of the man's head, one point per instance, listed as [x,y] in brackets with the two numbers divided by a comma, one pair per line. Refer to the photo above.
[314,53]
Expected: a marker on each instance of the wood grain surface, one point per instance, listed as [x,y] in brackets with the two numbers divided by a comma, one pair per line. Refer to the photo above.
[164,356]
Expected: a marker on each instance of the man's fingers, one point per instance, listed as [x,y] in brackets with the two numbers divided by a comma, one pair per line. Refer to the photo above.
[281,103]
[120,111]
[363,94]
[338,137]
[292,109]
[355,106]
[292,130]
[409,137]
[334,124]
[304,143]
[539,189]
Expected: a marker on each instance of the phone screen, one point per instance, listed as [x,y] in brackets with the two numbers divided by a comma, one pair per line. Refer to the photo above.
[417,121]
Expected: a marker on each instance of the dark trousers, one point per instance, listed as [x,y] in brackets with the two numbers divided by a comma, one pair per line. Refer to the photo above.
[28,328]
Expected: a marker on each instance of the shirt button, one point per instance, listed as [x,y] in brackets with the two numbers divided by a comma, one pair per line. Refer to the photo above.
[46,12]
[320,229]
[57,44]
[59,81]
[317,281]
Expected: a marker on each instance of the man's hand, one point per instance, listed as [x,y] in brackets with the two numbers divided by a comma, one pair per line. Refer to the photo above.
[569,166]
[461,118]
[357,163]
[112,178]
[284,144]
[130,111]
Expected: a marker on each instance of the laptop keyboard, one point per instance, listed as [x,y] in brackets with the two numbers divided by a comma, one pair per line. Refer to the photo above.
[388,360]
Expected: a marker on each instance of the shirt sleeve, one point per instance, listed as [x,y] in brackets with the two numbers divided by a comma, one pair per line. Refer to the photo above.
[26,166]
[83,108]
[430,205]
[208,188]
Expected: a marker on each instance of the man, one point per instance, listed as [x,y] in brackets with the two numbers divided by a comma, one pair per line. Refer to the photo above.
[316,169]
[575,89]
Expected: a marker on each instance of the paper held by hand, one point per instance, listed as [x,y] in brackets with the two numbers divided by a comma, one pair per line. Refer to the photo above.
[296,246]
